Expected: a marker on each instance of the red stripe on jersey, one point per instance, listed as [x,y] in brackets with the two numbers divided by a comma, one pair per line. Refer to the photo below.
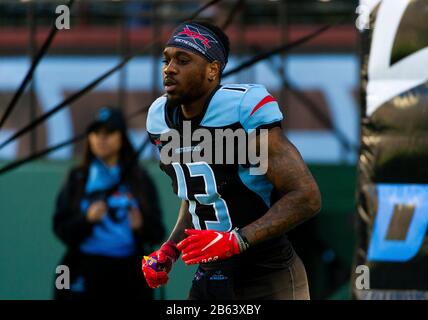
[265,100]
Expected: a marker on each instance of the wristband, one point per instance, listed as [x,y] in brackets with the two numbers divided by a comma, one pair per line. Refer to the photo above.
[242,240]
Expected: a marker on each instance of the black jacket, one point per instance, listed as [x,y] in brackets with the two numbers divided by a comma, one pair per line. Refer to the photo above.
[72,227]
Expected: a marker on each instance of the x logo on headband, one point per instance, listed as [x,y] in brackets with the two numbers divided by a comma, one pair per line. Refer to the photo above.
[193,33]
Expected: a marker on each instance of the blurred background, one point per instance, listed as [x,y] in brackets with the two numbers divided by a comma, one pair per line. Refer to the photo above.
[316,83]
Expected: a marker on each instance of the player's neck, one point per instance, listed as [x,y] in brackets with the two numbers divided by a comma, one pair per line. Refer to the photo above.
[195,108]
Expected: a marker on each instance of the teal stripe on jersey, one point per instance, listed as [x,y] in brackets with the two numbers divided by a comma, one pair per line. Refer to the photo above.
[259,184]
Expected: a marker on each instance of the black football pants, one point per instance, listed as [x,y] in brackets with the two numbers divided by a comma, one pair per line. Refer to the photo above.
[289,283]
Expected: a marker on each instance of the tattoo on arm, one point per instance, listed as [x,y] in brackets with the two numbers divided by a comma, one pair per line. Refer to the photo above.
[300,196]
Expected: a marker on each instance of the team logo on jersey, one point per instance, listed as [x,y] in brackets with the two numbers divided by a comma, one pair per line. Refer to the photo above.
[215,146]
[194,34]
[158,143]
[188,149]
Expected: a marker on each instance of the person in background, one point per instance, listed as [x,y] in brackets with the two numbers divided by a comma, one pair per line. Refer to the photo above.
[107,215]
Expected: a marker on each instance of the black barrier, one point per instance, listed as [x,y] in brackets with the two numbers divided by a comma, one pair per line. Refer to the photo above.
[204,7]
[279,49]
[222,309]
[391,260]
[238,6]
[84,90]
[66,102]
[29,75]
[75,96]
[39,154]
[314,108]
[60,145]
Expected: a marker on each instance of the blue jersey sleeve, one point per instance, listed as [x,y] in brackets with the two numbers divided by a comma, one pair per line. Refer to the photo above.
[258,108]
[155,123]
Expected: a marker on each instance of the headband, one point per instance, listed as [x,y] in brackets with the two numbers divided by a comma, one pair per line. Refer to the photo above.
[199,40]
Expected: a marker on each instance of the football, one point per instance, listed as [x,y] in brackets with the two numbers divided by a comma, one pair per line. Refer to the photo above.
[152,262]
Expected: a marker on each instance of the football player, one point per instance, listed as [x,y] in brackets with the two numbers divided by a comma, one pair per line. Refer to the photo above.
[232,222]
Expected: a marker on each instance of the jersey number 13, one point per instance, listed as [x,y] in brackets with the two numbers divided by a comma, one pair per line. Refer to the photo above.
[211,196]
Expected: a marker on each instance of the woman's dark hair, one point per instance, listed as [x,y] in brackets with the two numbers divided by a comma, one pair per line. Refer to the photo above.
[127,160]
[127,153]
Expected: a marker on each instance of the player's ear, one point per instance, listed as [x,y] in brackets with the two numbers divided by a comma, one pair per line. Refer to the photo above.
[214,71]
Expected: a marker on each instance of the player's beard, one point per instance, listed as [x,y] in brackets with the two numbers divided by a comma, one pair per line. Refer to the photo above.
[191,91]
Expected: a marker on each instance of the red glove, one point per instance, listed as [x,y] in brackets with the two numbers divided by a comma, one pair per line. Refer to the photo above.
[157,265]
[208,246]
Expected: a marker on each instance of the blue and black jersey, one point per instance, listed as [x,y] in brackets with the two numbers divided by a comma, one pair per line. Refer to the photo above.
[226,195]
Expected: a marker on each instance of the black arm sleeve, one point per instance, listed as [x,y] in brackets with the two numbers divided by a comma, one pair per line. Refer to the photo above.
[69,224]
